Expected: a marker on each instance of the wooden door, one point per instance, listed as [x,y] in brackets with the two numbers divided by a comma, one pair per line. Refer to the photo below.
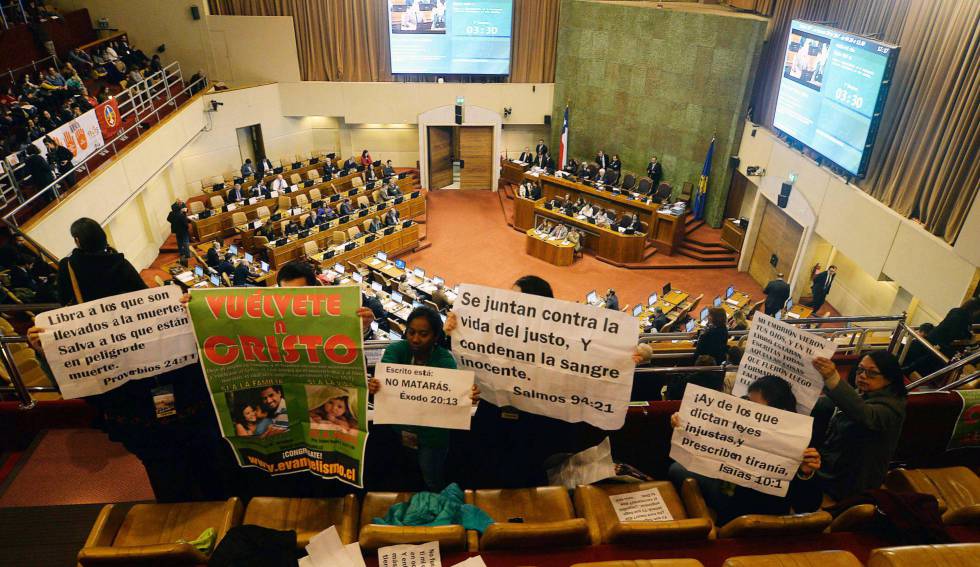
[476,152]
[440,156]
[779,235]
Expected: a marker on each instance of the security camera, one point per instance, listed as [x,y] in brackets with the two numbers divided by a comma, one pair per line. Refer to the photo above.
[215,104]
[507,111]
[755,171]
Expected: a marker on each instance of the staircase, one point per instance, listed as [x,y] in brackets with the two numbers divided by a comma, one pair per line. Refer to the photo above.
[708,254]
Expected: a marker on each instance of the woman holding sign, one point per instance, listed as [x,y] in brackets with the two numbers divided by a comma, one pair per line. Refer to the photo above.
[420,347]
[865,424]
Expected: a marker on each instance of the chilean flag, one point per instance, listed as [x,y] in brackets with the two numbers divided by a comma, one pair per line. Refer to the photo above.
[563,144]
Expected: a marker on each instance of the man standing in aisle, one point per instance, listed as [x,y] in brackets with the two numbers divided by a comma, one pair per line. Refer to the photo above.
[180,226]
[821,287]
[777,292]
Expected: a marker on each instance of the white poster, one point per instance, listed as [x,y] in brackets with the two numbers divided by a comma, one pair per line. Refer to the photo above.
[742,442]
[641,506]
[100,345]
[82,136]
[425,555]
[783,350]
[423,395]
[554,358]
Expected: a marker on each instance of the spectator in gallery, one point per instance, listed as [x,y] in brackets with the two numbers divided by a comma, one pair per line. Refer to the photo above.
[713,339]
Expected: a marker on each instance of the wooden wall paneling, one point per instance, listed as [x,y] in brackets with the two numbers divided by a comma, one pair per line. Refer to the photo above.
[476,151]
[440,156]
[780,235]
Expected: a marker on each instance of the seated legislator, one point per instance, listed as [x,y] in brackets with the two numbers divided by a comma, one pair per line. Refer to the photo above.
[583,170]
[392,191]
[631,223]
[730,501]
[605,219]
[524,190]
[526,156]
[369,174]
[241,276]
[350,164]
[571,167]
[388,170]
[610,177]
[235,194]
[247,168]
[227,266]
[615,164]
[587,210]
[374,226]
[656,321]
[328,214]
[292,228]
[574,237]
[392,217]
[569,208]
[346,208]
[279,184]
[310,221]
[366,160]
[265,167]
[559,232]
[330,170]
[545,227]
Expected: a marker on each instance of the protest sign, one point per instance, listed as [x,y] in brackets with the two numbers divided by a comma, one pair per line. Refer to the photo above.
[966,433]
[425,555]
[326,550]
[423,395]
[781,349]
[285,368]
[96,346]
[743,442]
[585,467]
[641,506]
[554,358]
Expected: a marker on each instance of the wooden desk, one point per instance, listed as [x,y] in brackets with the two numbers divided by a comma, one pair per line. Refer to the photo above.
[740,299]
[279,255]
[399,241]
[668,231]
[552,186]
[607,244]
[800,312]
[524,213]
[732,234]
[512,172]
[557,252]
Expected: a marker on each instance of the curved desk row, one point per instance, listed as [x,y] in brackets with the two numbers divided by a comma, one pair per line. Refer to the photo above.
[557,252]
[607,244]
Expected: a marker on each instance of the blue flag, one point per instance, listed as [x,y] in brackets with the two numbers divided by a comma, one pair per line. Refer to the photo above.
[701,197]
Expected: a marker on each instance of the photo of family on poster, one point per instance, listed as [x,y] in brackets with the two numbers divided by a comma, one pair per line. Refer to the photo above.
[259,412]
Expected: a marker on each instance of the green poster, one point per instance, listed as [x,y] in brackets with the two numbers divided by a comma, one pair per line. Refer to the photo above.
[285,368]
[967,430]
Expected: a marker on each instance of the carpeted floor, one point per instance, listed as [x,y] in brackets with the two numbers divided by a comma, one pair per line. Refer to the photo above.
[44,536]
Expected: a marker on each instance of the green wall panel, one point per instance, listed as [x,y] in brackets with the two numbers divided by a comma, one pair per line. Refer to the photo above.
[642,81]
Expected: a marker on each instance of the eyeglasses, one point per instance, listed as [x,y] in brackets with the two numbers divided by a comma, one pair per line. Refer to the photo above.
[868,372]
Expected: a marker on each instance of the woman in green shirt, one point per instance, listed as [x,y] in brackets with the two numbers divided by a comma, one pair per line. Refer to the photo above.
[420,347]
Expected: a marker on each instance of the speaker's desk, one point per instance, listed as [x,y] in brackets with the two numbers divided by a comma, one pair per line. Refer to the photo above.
[557,252]
[608,244]
[512,171]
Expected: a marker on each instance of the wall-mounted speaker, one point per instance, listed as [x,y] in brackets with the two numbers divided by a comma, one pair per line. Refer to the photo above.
[782,201]
[547,120]
[195,13]
[459,114]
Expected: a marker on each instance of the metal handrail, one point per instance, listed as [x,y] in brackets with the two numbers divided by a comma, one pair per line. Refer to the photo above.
[944,370]
[925,342]
[137,94]
[955,385]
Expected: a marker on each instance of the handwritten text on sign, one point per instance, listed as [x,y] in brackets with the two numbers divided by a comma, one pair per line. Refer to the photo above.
[780,349]
[422,395]
[745,443]
[555,358]
[100,345]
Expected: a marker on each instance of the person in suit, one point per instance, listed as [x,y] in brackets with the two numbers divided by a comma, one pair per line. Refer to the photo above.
[241,276]
[388,170]
[657,319]
[821,286]
[534,192]
[369,174]
[328,214]
[559,232]
[583,170]
[777,292]
[541,161]
[526,156]
[540,148]
[615,164]
[374,225]
[350,164]
[227,266]
[212,259]
[235,194]
[265,167]
[631,222]
[292,228]
[602,160]
[346,208]
[611,300]
[522,190]
[392,217]
[571,167]
[279,184]
[311,221]
[440,298]
[248,168]
[610,177]
[713,340]
[655,171]
[392,191]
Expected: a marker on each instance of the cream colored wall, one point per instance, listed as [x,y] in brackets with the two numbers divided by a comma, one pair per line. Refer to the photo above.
[876,242]
[399,143]
[253,49]
[516,137]
[150,23]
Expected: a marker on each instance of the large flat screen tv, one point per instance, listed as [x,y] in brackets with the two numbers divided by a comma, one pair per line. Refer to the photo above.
[832,92]
[450,37]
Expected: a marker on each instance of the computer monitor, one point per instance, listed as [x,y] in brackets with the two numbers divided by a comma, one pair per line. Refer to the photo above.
[652,299]
[233,249]
[779,315]
[789,304]
[376,286]
[350,246]
[304,233]
[666,288]
[396,297]
[419,272]
[198,271]
[690,326]
[438,281]
[637,310]
[717,301]
[704,314]
[400,264]
[264,266]
[328,254]
[389,230]
[381,256]
[370,238]
[394,335]
[592,297]
[338,267]
[363,213]
[248,257]
[282,241]
[215,280]
[730,291]
[374,326]
[356,277]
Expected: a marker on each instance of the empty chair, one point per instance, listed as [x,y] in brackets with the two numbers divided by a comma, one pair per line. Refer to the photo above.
[629,182]
[691,519]
[373,536]
[546,514]
[214,180]
[764,525]
[313,174]
[238,218]
[302,219]
[353,232]
[195,207]
[663,193]
[287,162]
[148,533]
[948,555]
[306,516]
[357,182]
[295,179]
[338,237]
[302,200]
[687,191]
[804,559]
[362,201]
[300,158]
[956,488]
[217,201]
[366,225]
[263,212]
[284,202]
[310,248]
[643,187]
[856,518]
[315,194]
